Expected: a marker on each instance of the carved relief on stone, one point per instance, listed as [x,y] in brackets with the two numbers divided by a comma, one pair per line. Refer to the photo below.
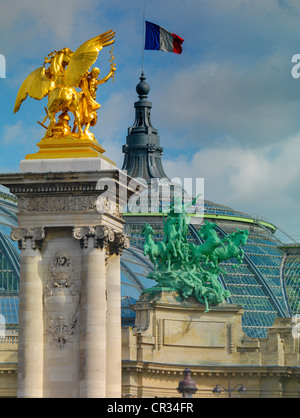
[62,299]
[62,331]
[70,203]
[231,336]
[105,205]
[159,333]
[24,235]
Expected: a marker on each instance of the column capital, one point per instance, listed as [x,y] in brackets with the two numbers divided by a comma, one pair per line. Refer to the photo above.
[120,243]
[103,237]
[22,235]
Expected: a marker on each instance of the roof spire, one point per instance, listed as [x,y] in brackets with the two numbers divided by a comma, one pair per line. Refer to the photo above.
[142,150]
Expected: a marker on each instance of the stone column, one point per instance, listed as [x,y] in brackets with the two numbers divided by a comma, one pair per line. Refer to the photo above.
[63,347]
[113,330]
[30,346]
[93,311]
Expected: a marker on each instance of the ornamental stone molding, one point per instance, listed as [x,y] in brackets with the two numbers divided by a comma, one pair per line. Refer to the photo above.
[23,235]
[62,299]
[120,243]
[106,205]
[103,237]
[69,203]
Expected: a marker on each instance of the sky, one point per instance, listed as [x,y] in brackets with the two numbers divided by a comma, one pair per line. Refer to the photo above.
[227,109]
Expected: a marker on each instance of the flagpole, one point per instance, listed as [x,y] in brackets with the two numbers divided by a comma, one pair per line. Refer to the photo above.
[143,38]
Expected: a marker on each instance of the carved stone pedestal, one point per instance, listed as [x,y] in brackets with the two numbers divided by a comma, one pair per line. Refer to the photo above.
[172,333]
[71,236]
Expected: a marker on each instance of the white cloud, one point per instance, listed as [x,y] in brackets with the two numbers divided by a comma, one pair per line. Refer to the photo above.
[263,183]
[214,99]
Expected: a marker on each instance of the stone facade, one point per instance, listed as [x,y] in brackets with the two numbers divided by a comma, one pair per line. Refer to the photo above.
[69,344]
[71,237]
[171,334]
[8,365]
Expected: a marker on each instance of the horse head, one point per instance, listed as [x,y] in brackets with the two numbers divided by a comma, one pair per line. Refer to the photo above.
[241,236]
[207,228]
[147,230]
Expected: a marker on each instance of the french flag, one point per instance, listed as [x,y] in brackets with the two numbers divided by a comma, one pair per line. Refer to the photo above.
[160,39]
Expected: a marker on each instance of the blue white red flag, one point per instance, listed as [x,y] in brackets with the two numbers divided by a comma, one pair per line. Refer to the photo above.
[158,38]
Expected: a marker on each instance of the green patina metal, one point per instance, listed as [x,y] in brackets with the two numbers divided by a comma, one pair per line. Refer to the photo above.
[211,216]
[191,270]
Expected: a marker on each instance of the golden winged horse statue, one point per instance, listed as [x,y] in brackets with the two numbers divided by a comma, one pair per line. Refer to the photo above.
[66,71]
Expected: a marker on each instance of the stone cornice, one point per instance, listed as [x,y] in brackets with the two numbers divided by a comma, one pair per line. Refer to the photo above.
[77,183]
[215,370]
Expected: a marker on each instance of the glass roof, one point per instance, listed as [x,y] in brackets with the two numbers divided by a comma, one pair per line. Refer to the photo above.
[266,284]
[9,259]
[9,308]
[292,282]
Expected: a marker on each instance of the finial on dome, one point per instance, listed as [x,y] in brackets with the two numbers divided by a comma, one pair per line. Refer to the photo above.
[142,88]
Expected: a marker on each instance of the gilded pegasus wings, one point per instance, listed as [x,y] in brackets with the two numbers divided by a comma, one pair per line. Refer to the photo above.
[85,56]
[37,85]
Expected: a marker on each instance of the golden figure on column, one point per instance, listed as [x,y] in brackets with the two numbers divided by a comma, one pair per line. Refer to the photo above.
[62,72]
